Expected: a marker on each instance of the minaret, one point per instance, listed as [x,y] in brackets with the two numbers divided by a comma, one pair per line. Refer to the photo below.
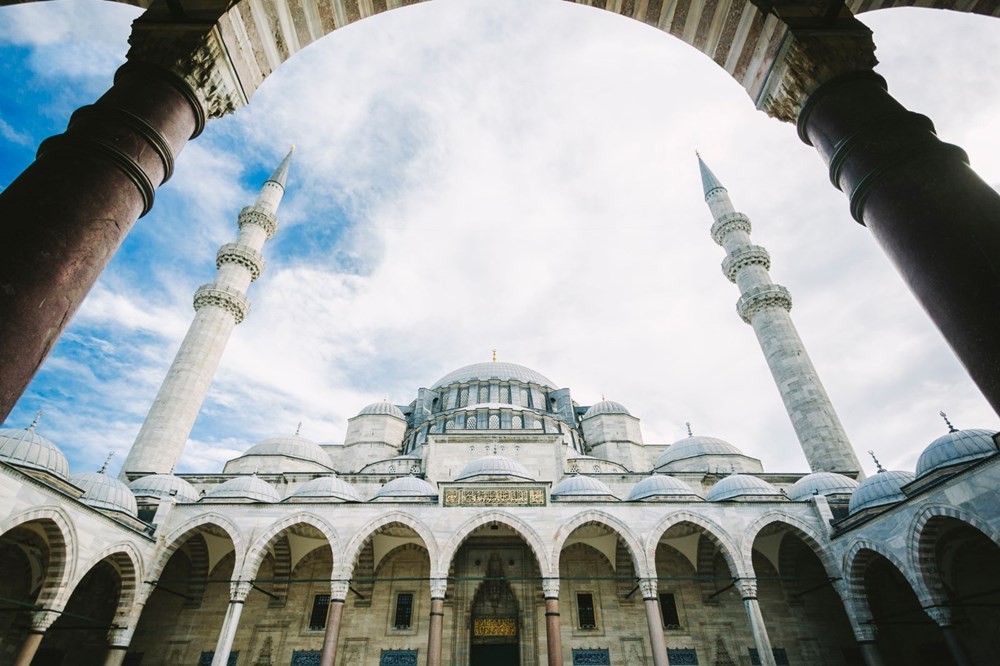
[219,306]
[765,306]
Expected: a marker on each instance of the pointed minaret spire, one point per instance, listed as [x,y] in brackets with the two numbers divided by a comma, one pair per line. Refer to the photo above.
[766,307]
[219,307]
[34,421]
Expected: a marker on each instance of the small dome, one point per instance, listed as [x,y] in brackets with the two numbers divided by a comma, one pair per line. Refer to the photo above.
[384,408]
[494,370]
[494,466]
[659,485]
[582,486]
[328,487]
[879,490]
[407,486]
[105,492]
[26,448]
[250,488]
[162,486]
[606,407]
[821,483]
[290,447]
[737,486]
[697,445]
[959,446]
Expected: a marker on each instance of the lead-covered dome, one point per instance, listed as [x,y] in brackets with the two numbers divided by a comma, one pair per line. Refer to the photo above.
[955,448]
[101,491]
[582,486]
[327,487]
[697,445]
[659,486]
[606,407]
[821,483]
[26,448]
[290,447]
[406,487]
[384,408]
[493,466]
[742,486]
[879,490]
[162,486]
[494,370]
[250,488]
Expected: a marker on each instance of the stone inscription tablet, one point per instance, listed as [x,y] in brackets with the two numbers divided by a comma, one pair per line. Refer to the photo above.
[494,497]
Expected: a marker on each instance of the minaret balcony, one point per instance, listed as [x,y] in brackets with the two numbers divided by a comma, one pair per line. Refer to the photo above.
[261,216]
[750,255]
[234,253]
[727,224]
[231,300]
[762,297]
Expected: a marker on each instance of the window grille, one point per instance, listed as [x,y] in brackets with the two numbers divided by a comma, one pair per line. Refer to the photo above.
[317,618]
[494,421]
[404,611]
[515,423]
[585,610]
[470,423]
[668,609]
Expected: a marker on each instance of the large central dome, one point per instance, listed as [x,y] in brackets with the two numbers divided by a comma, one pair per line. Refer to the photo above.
[494,370]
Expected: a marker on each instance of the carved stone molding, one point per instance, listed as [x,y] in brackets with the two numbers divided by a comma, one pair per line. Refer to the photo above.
[729,223]
[649,587]
[234,253]
[753,255]
[239,590]
[339,590]
[439,587]
[227,298]
[43,619]
[940,614]
[260,216]
[747,588]
[758,298]
[550,588]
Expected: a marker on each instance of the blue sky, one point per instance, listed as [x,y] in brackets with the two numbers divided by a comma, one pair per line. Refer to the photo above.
[513,175]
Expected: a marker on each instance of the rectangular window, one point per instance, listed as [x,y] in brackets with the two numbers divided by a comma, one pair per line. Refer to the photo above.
[404,611]
[317,618]
[668,609]
[585,611]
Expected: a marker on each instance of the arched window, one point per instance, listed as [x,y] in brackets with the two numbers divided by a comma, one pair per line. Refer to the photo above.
[464,398]
[505,394]
[484,394]
[494,421]
[515,423]
[470,422]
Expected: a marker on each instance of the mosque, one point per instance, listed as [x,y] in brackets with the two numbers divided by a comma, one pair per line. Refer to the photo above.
[493,520]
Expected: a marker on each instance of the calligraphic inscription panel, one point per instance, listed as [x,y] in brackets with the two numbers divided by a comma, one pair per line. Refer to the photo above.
[494,626]
[591,657]
[398,658]
[494,497]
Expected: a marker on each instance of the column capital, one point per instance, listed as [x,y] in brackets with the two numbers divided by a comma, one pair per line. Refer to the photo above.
[941,615]
[865,632]
[239,590]
[747,588]
[439,587]
[121,637]
[550,588]
[649,587]
[339,590]
[41,620]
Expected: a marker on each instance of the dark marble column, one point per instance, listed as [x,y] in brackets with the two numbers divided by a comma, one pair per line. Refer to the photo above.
[937,220]
[63,218]
[334,615]
[654,620]
[553,632]
[436,630]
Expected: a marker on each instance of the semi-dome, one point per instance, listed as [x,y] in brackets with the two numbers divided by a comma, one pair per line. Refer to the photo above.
[407,486]
[26,448]
[582,486]
[101,491]
[250,488]
[955,448]
[694,446]
[328,487]
[821,483]
[383,408]
[659,485]
[162,486]
[606,407]
[742,486]
[290,447]
[879,490]
[494,370]
[494,466]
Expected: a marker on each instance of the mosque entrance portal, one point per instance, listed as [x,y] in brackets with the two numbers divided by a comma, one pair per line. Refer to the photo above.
[495,635]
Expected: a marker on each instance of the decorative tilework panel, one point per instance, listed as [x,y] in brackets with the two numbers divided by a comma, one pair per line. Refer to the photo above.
[590,657]
[682,657]
[398,658]
[305,658]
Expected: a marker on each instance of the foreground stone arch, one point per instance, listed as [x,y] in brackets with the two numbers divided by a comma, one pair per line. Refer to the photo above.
[857,558]
[353,548]
[258,551]
[711,530]
[126,560]
[800,528]
[923,538]
[63,551]
[620,528]
[180,535]
[524,530]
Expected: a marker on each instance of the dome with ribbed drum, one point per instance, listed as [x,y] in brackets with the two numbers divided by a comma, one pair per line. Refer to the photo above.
[327,488]
[384,408]
[660,486]
[101,491]
[26,448]
[955,448]
[162,486]
[880,490]
[406,487]
[743,487]
[606,407]
[821,483]
[248,488]
[290,447]
[582,486]
[493,466]
[494,370]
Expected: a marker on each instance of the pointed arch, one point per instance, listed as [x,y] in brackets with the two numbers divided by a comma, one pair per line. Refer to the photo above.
[127,561]
[802,529]
[614,524]
[61,538]
[256,553]
[182,533]
[524,530]
[709,528]
[857,559]
[353,548]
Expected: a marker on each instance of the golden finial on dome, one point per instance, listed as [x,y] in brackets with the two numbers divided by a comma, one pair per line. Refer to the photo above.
[494,355]
[104,467]
[951,428]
